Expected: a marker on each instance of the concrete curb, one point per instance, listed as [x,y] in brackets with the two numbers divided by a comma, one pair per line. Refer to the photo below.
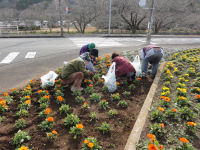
[141,119]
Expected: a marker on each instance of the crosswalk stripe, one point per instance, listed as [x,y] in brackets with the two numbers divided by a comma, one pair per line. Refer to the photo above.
[100,42]
[30,55]
[9,58]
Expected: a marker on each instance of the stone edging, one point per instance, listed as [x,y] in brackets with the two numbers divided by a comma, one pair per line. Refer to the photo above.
[141,119]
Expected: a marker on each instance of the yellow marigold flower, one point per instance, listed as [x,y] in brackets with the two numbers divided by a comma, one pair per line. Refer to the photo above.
[79,126]
[28,102]
[86,141]
[50,119]
[90,144]
[161,109]
[117,93]
[23,148]
[192,124]
[54,132]
[183,140]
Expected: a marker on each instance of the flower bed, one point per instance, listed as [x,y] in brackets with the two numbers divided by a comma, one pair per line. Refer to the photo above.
[55,118]
[174,119]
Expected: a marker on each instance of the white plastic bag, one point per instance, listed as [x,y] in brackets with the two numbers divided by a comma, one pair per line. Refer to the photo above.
[110,78]
[137,65]
[48,79]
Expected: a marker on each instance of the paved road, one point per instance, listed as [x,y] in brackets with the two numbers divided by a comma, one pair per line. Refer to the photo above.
[28,58]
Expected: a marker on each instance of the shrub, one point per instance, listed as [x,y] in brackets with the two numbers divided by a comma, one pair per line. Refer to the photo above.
[104,128]
[103,104]
[22,113]
[132,87]
[115,97]
[20,137]
[52,135]
[95,97]
[47,124]
[90,143]
[190,128]
[20,123]
[76,131]
[71,120]
[89,89]
[157,130]
[76,93]
[186,113]
[123,104]
[93,116]
[80,99]
[112,113]
[157,116]
[64,109]
[126,94]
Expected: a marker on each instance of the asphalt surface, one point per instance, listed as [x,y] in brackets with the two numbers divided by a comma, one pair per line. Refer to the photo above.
[51,52]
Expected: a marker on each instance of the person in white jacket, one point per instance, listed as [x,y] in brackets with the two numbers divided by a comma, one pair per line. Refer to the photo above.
[151,54]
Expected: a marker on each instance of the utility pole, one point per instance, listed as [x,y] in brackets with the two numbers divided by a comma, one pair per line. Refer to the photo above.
[61,22]
[150,22]
[109,17]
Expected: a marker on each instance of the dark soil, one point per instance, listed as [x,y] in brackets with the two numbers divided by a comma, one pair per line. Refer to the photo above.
[115,140]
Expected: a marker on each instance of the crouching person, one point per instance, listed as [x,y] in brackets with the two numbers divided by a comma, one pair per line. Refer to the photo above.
[75,71]
[123,67]
[151,54]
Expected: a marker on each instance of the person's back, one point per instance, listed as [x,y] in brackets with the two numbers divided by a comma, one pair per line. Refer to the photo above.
[123,66]
[87,48]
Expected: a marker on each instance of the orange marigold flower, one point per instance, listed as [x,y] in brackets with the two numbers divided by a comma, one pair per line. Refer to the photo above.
[23,148]
[117,83]
[191,124]
[46,91]
[151,136]
[167,99]
[50,119]
[79,126]
[183,98]
[25,89]
[47,111]
[46,96]
[27,97]
[161,109]
[49,134]
[108,65]
[84,104]
[160,147]
[117,93]
[152,147]
[60,98]
[104,100]
[86,141]
[162,125]
[139,78]
[91,85]
[54,132]
[5,94]
[162,97]
[39,91]
[174,110]
[98,58]
[90,144]
[183,140]
[197,96]
[28,102]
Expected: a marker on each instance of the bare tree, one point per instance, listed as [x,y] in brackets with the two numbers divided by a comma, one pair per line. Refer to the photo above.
[83,12]
[132,15]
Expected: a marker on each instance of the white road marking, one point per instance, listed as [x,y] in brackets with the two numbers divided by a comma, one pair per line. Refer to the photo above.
[30,55]
[99,42]
[9,58]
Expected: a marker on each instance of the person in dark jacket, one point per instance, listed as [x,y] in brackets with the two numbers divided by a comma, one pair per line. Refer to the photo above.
[123,67]
[151,54]
[87,48]
[75,71]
